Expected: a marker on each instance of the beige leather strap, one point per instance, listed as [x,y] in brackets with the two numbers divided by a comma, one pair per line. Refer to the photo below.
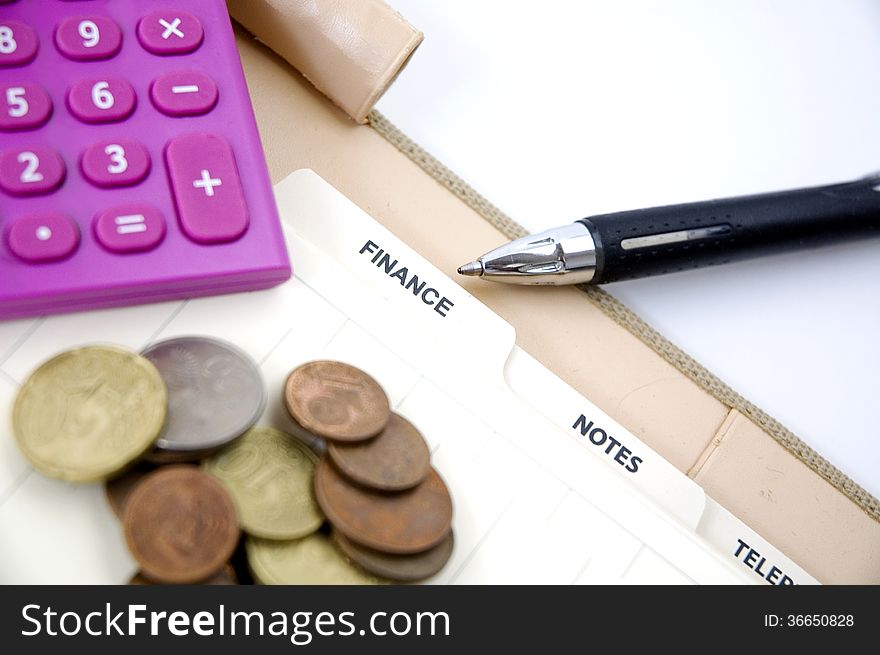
[351,50]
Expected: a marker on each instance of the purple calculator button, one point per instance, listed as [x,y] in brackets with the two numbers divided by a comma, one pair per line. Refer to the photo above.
[101,100]
[113,163]
[43,237]
[18,43]
[23,106]
[30,171]
[170,32]
[85,38]
[130,228]
[206,188]
[184,93]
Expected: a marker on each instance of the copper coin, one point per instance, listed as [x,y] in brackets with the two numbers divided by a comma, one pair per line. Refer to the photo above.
[161,457]
[119,488]
[225,576]
[408,521]
[336,401]
[397,458]
[180,525]
[405,568]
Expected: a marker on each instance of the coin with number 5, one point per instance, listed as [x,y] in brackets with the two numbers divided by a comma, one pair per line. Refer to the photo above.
[269,476]
[87,413]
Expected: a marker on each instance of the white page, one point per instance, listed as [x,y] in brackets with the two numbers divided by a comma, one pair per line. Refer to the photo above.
[558,110]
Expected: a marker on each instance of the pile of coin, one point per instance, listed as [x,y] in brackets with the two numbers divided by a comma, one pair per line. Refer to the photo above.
[391,512]
[171,431]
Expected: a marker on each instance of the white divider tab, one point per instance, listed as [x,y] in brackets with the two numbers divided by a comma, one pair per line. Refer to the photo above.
[431,314]
[751,551]
[605,438]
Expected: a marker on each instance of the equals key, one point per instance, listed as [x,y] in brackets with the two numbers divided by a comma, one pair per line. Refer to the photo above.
[129,228]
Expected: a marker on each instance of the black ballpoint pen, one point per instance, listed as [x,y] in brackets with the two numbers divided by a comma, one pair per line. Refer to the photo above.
[643,242]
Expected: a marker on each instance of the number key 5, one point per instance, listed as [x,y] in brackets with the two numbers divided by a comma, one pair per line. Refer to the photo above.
[23,106]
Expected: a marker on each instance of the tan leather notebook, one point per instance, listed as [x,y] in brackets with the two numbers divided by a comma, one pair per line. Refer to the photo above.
[831,531]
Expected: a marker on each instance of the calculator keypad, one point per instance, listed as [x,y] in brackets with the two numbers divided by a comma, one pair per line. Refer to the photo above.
[206,187]
[130,164]
[133,227]
[18,43]
[30,171]
[101,99]
[43,237]
[170,32]
[115,163]
[184,93]
[23,106]
[88,38]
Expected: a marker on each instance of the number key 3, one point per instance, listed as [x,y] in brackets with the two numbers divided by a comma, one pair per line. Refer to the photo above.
[115,163]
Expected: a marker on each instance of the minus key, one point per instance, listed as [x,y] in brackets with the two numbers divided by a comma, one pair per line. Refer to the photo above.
[184,93]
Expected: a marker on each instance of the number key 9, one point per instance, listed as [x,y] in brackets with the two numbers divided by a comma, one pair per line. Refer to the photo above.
[88,38]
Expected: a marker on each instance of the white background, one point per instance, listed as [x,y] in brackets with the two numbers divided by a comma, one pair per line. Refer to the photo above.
[558,109]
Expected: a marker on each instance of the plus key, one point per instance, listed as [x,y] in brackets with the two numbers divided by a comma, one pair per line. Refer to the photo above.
[206,187]
[207,182]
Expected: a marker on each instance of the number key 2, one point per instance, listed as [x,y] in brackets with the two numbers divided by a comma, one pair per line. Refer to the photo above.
[31,171]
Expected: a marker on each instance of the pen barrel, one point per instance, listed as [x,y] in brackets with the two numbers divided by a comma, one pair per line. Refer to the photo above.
[658,240]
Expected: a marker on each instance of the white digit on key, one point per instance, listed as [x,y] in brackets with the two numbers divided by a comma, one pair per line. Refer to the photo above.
[7,40]
[90,33]
[18,105]
[102,98]
[117,156]
[31,162]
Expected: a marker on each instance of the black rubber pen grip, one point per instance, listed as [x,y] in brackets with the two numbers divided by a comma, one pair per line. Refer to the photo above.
[657,240]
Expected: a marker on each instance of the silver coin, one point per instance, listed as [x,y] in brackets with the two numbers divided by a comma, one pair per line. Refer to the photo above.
[215,394]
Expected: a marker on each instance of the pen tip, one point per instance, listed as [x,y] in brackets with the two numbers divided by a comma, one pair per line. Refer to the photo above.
[471,268]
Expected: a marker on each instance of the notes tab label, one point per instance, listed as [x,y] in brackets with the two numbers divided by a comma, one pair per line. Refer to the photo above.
[611,447]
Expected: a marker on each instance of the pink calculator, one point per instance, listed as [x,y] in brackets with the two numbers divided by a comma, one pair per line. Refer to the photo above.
[130,164]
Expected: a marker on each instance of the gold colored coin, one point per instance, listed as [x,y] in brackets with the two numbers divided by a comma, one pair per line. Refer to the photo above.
[313,560]
[87,413]
[270,475]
